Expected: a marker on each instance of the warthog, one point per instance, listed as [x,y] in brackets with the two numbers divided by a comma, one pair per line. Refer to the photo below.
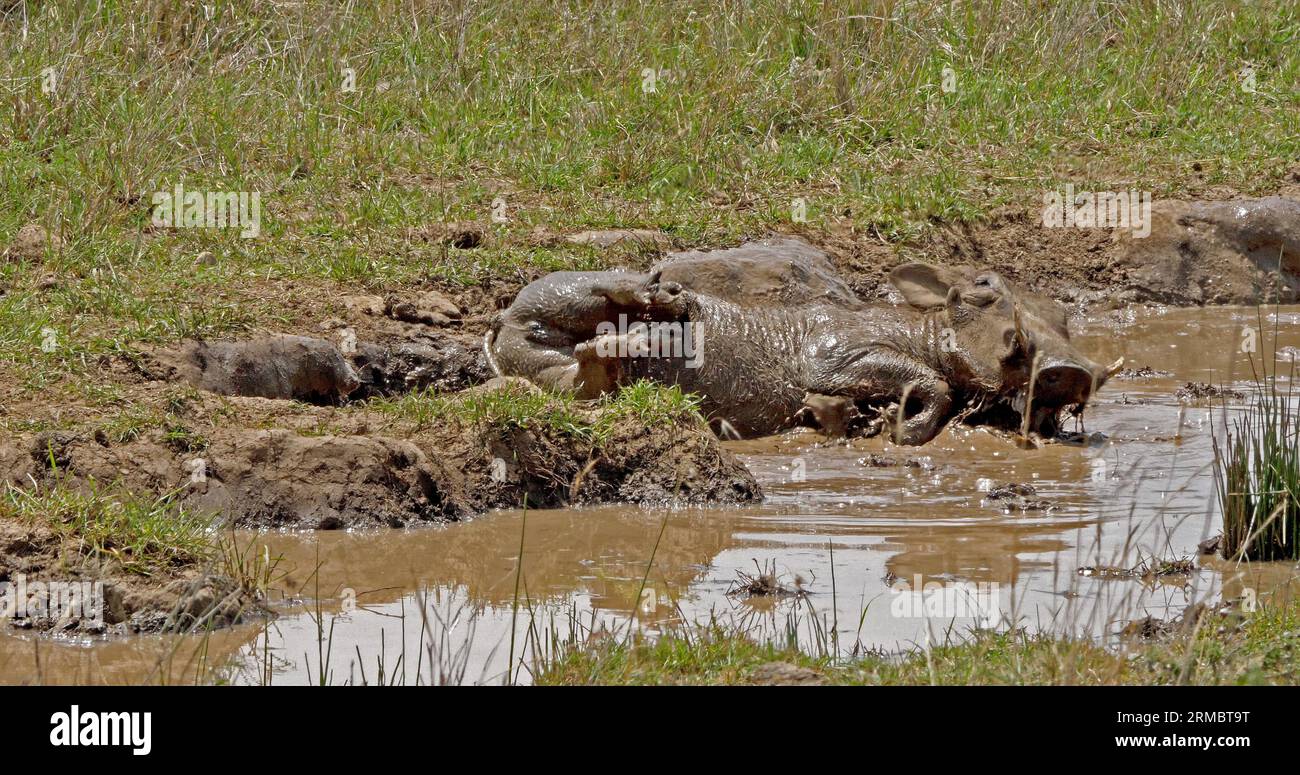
[964,340]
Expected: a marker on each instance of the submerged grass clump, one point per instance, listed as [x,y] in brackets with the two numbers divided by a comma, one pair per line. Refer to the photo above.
[764,582]
[1148,569]
[1257,471]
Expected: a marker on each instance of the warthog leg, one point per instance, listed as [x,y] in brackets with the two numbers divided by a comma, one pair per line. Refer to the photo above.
[552,336]
[555,366]
[634,291]
[836,416]
[936,401]
[892,376]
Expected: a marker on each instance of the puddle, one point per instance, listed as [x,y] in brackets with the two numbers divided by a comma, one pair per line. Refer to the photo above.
[438,604]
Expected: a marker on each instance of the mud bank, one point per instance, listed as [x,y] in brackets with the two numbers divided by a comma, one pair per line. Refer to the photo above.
[112,600]
[1227,250]
[249,462]
[356,467]
[276,431]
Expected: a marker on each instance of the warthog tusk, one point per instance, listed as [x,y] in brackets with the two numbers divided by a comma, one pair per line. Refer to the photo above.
[1114,368]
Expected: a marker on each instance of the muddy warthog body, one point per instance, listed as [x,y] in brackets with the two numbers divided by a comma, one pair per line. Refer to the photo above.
[783,272]
[759,365]
[962,339]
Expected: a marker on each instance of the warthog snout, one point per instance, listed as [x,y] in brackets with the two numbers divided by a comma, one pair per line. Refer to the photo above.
[1063,383]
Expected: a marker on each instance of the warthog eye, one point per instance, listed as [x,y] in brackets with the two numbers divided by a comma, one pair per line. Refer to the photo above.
[985,290]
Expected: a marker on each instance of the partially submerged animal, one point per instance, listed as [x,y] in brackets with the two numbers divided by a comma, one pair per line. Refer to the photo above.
[278,366]
[963,340]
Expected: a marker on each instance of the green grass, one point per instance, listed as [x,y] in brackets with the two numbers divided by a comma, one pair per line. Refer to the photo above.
[1257,472]
[1259,649]
[650,404]
[543,106]
[144,535]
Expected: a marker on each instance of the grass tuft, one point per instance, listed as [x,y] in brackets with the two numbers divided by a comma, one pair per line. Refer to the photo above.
[1255,650]
[649,404]
[144,535]
[1257,471]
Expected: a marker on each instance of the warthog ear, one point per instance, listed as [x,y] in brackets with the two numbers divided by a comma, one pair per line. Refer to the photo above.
[922,285]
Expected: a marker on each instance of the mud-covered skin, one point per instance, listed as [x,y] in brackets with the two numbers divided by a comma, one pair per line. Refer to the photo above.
[964,338]
[279,366]
[789,272]
[1062,375]
[836,416]
[543,333]
[773,272]
[759,363]
[1240,251]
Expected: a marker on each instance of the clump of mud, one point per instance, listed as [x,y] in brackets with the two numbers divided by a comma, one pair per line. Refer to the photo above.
[459,235]
[1124,400]
[786,674]
[1160,568]
[607,238]
[1148,570]
[1222,617]
[1017,496]
[429,308]
[187,599]
[1145,372]
[1194,392]
[875,460]
[498,465]
[31,243]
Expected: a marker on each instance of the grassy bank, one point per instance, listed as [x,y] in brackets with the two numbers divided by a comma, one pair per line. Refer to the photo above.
[1255,648]
[162,567]
[649,404]
[361,125]
[101,526]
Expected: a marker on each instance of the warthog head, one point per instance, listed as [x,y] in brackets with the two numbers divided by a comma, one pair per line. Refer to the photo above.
[1005,348]
[1064,378]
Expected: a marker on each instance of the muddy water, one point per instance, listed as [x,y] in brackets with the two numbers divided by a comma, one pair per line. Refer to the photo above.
[855,538]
